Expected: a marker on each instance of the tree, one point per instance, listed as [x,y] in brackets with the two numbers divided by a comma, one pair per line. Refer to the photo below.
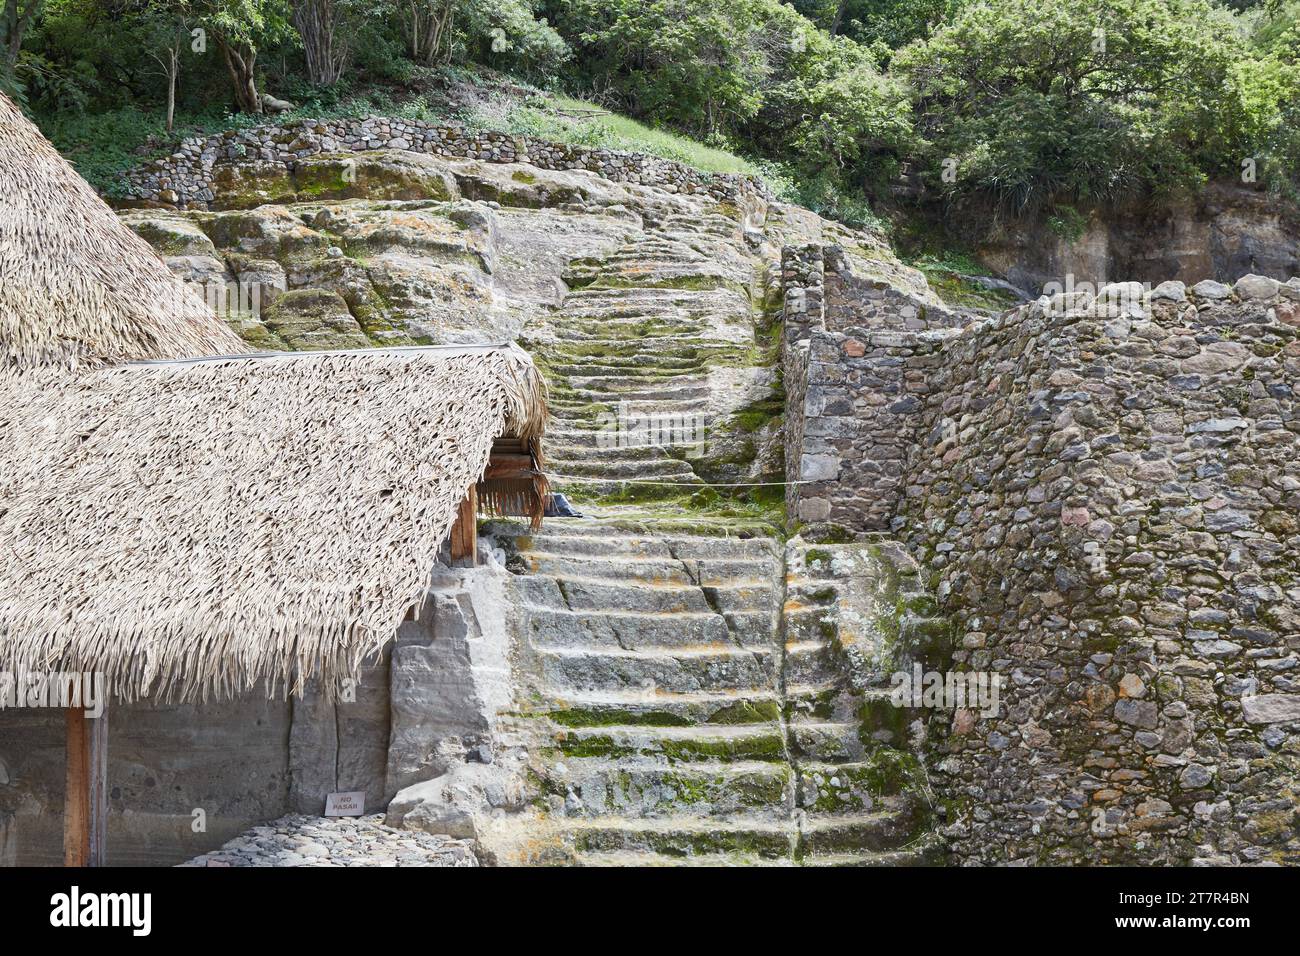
[1024,102]
[238,27]
[428,25]
[318,22]
[166,27]
[690,63]
[16,19]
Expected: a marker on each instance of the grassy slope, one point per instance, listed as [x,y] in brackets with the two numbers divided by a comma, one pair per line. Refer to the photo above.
[103,146]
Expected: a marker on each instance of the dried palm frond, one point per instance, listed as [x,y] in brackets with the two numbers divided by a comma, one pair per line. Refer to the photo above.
[190,529]
[77,287]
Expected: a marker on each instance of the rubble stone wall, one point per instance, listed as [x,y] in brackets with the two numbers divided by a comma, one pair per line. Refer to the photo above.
[1105,497]
[185,178]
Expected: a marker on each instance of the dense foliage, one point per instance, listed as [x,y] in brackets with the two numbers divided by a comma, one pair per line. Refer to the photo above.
[1020,106]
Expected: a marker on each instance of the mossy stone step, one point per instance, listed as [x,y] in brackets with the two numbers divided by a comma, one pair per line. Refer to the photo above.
[647,595]
[854,785]
[808,662]
[617,858]
[684,837]
[634,371]
[872,832]
[676,744]
[918,853]
[663,709]
[596,786]
[570,444]
[695,537]
[631,630]
[613,470]
[702,572]
[825,741]
[691,571]
[631,352]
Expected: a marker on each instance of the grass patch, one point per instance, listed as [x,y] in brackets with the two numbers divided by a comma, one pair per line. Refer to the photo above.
[945,272]
[103,146]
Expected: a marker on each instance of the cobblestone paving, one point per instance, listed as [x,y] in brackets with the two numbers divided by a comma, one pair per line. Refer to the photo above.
[344,841]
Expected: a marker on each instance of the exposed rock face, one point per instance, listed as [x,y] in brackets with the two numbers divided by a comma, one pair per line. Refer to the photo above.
[1228,231]
[640,299]
[1105,493]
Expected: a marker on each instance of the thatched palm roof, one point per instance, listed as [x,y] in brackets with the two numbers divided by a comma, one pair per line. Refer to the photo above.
[76,286]
[192,528]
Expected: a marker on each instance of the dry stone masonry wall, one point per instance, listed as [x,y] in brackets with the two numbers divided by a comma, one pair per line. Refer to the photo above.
[855,362]
[1105,496]
[190,177]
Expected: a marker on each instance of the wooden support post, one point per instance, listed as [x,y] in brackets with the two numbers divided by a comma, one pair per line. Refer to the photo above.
[464,533]
[85,808]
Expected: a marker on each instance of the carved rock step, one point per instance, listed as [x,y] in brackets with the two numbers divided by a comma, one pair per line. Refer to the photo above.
[551,628]
[570,447]
[603,594]
[916,854]
[613,858]
[808,662]
[678,669]
[613,470]
[878,782]
[666,334]
[683,837]
[579,403]
[691,745]
[597,536]
[821,741]
[665,709]
[607,366]
[665,296]
[685,571]
[622,387]
[595,786]
[621,352]
[875,832]
[833,840]
[690,398]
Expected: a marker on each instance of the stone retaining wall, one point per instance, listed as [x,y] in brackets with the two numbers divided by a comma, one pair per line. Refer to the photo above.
[1108,500]
[186,177]
[857,356]
[1105,497]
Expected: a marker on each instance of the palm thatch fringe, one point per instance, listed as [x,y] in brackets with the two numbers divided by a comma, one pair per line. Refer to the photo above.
[192,529]
[77,287]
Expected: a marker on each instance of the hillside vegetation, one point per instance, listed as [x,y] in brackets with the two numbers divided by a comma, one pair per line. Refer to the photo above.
[968,111]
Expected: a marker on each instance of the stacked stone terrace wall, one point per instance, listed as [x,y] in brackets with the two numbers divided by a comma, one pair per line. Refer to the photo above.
[185,178]
[1106,496]
[857,356]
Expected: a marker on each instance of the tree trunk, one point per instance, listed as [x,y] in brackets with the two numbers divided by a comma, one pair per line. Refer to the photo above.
[839,17]
[15,23]
[173,71]
[317,22]
[240,61]
[427,24]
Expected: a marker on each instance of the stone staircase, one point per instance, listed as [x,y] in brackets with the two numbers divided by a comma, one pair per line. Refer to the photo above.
[634,342]
[695,710]
[688,702]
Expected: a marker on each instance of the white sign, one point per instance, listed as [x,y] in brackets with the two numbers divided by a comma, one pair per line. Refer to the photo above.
[351,804]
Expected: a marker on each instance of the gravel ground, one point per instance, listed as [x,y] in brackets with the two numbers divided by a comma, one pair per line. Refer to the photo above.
[298,840]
